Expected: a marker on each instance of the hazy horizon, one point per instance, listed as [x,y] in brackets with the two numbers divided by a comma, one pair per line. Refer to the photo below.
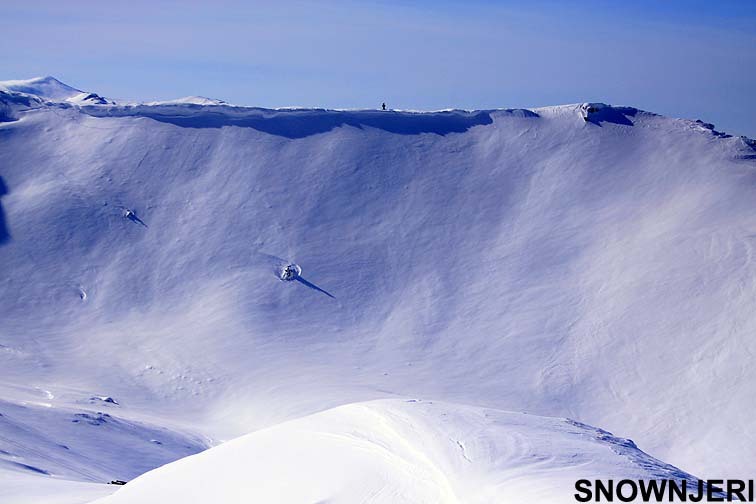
[681,59]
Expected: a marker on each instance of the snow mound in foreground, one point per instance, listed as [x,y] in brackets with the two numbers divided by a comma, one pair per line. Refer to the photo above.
[390,451]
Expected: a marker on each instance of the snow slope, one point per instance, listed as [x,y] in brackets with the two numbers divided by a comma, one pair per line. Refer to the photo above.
[397,451]
[516,260]
[88,445]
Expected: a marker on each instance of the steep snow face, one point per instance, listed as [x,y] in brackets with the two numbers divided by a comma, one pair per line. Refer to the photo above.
[533,261]
[393,451]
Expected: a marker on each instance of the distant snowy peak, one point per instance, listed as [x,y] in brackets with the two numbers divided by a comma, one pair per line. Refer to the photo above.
[189,100]
[89,99]
[44,87]
[51,89]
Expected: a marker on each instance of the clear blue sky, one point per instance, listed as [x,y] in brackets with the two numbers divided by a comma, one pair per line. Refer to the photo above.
[694,59]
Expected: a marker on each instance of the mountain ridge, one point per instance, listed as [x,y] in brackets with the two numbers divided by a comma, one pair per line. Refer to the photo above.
[528,261]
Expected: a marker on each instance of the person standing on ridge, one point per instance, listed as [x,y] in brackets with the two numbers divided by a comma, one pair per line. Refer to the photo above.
[383,105]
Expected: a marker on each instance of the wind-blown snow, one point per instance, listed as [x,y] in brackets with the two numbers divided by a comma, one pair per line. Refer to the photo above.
[509,259]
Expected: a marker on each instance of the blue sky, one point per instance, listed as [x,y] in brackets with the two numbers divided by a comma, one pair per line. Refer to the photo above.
[690,58]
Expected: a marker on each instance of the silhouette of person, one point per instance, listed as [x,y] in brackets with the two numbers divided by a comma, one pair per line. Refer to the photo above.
[383,105]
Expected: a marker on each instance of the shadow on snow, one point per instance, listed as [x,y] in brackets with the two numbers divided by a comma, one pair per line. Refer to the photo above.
[313,286]
[136,220]
[303,123]
[614,115]
[4,234]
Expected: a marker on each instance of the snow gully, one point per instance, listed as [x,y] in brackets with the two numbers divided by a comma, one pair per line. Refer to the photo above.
[664,490]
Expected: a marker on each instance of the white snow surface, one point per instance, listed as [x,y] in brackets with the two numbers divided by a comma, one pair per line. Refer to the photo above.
[51,89]
[189,100]
[43,87]
[481,261]
[399,451]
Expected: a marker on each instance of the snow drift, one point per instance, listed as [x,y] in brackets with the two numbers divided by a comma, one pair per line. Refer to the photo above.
[524,260]
[395,451]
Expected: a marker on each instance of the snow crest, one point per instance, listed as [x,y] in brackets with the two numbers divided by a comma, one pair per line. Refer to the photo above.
[591,264]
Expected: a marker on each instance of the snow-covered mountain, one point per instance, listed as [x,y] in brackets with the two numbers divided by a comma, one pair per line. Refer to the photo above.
[504,269]
[51,89]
